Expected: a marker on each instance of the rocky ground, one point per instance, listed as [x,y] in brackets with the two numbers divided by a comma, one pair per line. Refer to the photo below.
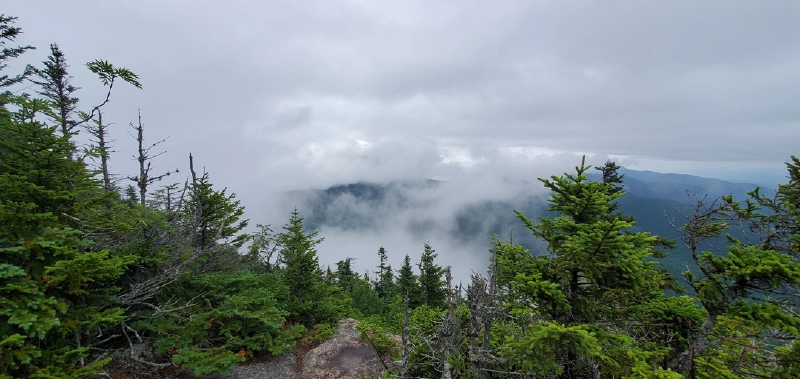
[343,356]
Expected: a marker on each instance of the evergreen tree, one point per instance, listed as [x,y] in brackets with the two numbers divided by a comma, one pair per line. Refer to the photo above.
[56,88]
[329,276]
[345,276]
[430,279]
[407,284]
[8,33]
[366,299]
[217,215]
[55,290]
[165,199]
[384,284]
[301,272]
[595,280]
[750,289]
[610,171]
[131,197]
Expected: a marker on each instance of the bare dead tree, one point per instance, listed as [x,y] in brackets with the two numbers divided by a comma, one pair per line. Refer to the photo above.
[489,318]
[104,149]
[143,289]
[108,75]
[144,157]
[707,221]
[446,341]
[404,351]
[449,331]
[265,248]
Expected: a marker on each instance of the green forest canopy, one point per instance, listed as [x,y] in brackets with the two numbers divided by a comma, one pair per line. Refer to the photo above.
[94,276]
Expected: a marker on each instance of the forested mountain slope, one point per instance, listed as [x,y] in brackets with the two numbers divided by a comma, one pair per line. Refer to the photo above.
[655,200]
[98,278]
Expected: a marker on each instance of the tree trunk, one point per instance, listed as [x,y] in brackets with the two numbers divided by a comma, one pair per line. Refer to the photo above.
[686,360]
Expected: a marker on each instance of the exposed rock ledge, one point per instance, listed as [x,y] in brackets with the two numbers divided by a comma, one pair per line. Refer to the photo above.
[343,356]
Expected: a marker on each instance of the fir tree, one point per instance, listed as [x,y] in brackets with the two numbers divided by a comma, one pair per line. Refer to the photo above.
[595,279]
[384,284]
[301,272]
[9,33]
[750,288]
[55,289]
[345,276]
[610,171]
[56,88]
[430,279]
[218,214]
[407,284]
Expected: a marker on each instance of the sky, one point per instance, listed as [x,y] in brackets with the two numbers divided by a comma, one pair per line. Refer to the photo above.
[274,96]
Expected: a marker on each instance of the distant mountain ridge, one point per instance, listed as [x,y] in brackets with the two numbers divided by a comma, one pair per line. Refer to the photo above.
[428,207]
[675,186]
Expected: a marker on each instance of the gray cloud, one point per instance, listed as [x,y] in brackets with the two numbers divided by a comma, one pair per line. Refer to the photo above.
[277,96]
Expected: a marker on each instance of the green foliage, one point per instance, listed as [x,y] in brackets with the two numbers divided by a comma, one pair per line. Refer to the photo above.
[228,315]
[540,349]
[53,284]
[750,288]
[371,331]
[595,281]
[302,275]
[610,175]
[345,276]
[366,300]
[108,73]
[423,321]
[218,215]
[407,284]
[213,361]
[385,284]
[56,88]
[789,361]
[591,305]
[430,279]
[8,33]
[318,334]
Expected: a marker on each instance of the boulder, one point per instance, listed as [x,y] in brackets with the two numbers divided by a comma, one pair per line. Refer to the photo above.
[343,356]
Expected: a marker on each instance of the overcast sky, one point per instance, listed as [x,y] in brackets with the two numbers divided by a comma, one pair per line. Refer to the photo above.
[273,96]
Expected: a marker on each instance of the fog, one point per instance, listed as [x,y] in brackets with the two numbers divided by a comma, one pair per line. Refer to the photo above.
[272,97]
[406,215]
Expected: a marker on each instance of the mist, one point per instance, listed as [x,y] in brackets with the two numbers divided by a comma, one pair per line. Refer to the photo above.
[402,216]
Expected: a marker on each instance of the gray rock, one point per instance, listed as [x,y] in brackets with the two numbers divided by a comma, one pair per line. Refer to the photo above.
[343,356]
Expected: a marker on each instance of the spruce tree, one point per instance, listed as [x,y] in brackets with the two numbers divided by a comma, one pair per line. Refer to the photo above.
[56,88]
[750,288]
[593,281]
[217,215]
[345,276]
[9,33]
[301,273]
[610,172]
[430,279]
[407,284]
[384,284]
[57,292]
